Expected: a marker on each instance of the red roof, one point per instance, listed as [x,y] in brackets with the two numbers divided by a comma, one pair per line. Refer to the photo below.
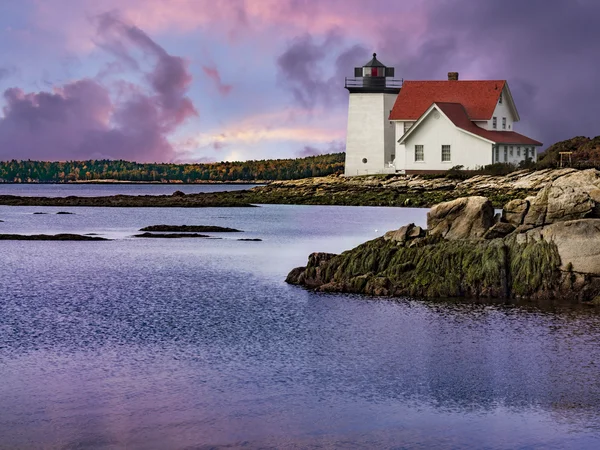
[478,97]
[459,117]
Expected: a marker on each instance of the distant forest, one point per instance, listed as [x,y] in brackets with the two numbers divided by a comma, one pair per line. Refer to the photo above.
[267,170]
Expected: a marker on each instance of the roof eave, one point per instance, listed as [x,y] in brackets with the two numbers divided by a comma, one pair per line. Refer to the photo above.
[512,102]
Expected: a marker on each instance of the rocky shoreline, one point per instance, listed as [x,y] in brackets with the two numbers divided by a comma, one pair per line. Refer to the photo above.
[376,190]
[177,200]
[546,246]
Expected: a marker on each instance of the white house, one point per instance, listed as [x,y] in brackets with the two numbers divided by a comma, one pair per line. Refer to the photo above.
[429,126]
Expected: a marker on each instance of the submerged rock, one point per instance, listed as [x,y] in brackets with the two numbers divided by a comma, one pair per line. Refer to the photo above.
[190,229]
[171,235]
[250,240]
[46,237]
[64,213]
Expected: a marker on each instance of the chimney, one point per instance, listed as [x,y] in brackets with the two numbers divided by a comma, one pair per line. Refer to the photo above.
[452,76]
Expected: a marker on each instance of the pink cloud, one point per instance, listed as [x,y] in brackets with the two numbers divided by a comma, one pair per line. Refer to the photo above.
[213,74]
[371,22]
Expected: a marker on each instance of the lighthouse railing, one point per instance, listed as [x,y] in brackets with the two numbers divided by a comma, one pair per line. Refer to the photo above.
[373,82]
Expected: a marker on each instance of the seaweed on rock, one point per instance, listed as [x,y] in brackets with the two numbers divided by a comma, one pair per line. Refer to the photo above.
[496,268]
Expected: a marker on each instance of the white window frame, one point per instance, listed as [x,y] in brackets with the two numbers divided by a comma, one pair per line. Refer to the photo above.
[449,149]
[420,148]
[500,99]
[518,152]
[512,153]
[495,123]
[504,123]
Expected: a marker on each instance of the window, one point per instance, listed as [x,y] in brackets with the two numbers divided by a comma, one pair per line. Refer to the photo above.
[500,99]
[419,153]
[494,123]
[506,153]
[504,123]
[497,153]
[518,152]
[511,151]
[407,126]
[446,155]
[525,152]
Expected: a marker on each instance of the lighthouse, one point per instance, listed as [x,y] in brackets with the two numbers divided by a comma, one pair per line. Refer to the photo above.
[370,140]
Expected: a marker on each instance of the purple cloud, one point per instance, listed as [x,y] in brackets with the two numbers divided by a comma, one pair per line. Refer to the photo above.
[80,120]
[305,61]
[309,150]
[215,76]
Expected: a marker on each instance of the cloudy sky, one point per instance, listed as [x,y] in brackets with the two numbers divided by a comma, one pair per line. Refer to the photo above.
[213,80]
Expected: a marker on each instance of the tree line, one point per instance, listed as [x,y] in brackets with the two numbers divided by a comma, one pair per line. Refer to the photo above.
[96,170]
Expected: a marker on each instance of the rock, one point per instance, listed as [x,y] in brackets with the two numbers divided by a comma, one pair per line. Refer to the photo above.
[46,237]
[404,234]
[499,230]
[578,243]
[178,194]
[250,240]
[64,213]
[463,218]
[575,195]
[514,212]
[557,261]
[190,229]
[171,235]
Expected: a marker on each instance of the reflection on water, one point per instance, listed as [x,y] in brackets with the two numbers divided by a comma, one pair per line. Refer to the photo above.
[185,344]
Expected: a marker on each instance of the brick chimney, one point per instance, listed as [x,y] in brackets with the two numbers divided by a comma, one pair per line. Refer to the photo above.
[452,76]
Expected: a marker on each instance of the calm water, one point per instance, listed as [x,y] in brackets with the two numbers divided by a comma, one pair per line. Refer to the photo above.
[200,344]
[93,190]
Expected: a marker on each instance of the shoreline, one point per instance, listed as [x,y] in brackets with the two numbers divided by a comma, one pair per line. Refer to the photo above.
[391,190]
[177,183]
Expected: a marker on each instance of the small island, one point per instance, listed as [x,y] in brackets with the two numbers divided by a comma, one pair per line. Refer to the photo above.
[190,229]
[46,237]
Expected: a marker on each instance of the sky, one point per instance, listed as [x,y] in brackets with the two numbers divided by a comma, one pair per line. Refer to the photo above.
[234,80]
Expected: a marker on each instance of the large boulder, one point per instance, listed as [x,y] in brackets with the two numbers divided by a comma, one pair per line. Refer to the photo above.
[578,243]
[463,218]
[573,196]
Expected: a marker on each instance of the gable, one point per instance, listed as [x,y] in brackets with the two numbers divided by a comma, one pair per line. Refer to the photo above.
[479,98]
[456,115]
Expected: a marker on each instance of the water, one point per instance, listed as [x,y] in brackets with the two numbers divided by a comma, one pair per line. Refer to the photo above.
[200,344]
[100,190]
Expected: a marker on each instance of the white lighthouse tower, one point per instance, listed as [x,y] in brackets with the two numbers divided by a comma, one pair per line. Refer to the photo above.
[370,142]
